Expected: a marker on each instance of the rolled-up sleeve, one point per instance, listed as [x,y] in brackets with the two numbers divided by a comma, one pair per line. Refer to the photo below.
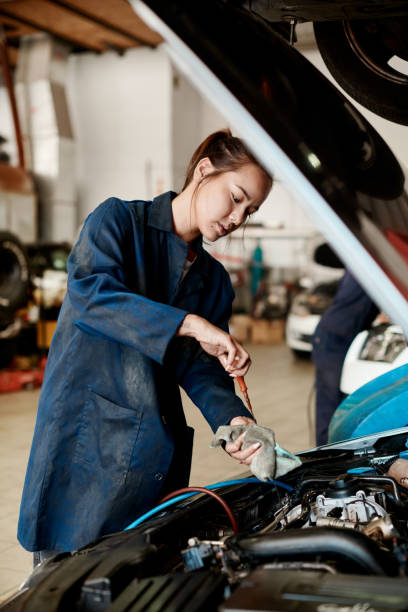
[102,302]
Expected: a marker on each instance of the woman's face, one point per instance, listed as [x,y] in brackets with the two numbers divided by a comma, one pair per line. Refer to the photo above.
[224,202]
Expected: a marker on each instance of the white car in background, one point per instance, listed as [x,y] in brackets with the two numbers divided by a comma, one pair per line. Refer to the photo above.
[335,536]
[372,353]
[305,313]
[320,282]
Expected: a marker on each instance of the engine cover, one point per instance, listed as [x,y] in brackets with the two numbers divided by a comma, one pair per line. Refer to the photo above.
[269,589]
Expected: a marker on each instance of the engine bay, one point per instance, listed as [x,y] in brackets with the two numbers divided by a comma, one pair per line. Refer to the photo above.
[332,535]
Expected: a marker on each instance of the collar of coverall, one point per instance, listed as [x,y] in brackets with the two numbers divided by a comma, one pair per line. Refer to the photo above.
[160,217]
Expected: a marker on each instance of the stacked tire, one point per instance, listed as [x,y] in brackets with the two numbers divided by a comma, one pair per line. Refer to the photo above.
[14,283]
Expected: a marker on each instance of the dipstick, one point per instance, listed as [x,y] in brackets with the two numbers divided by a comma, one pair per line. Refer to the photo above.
[244,389]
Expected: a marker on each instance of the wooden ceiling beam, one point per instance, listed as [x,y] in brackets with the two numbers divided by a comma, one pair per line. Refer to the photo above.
[14,28]
[120,14]
[83,9]
[53,31]
[64,23]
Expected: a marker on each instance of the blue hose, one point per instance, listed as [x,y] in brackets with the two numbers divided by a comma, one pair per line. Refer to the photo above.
[217,485]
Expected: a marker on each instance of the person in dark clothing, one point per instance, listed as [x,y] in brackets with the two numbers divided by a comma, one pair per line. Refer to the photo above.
[146,310]
[351,311]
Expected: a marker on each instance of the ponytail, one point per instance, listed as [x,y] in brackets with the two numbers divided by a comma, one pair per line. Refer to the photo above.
[226,153]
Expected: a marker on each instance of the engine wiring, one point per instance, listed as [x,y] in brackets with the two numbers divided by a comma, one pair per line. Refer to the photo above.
[179,497]
[217,497]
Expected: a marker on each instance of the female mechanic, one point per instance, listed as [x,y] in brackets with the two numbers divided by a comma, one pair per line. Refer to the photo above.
[146,310]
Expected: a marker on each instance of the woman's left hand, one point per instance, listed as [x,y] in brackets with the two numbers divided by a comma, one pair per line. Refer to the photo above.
[234,448]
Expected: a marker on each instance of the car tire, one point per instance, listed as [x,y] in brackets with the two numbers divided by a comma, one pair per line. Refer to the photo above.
[14,276]
[357,54]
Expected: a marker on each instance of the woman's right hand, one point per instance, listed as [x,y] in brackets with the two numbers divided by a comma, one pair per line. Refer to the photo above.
[399,472]
[216,342]
[235,448]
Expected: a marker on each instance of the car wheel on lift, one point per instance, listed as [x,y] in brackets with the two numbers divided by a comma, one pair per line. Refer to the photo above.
[369,60]
[14,276]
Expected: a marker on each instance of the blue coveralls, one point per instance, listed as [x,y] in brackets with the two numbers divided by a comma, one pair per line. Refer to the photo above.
[111,435]
[351,311]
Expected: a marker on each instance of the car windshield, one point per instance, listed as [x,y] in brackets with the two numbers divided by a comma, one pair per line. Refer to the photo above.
[304,132]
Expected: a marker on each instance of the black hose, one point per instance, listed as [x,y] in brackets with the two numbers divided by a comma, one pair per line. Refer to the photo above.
[352,549]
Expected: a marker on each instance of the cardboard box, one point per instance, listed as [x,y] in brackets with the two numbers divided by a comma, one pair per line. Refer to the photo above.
[45,332]
[240,327]
[267,332]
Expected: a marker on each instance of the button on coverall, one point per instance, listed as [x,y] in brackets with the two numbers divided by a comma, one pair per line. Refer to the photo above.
[110,435]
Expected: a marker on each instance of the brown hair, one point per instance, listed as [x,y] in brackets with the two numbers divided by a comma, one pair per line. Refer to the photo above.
[226,153]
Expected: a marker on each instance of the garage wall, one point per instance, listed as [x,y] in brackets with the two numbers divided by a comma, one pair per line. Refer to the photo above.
[122,119]
[186,112]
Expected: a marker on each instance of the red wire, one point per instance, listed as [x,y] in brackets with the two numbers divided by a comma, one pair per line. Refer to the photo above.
[212,494]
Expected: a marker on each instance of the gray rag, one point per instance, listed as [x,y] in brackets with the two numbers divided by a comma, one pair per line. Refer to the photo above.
[271,461]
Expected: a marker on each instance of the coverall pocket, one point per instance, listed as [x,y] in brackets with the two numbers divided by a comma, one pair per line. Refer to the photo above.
[106,437]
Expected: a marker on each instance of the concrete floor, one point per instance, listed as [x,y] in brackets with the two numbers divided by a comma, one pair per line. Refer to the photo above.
[278,386]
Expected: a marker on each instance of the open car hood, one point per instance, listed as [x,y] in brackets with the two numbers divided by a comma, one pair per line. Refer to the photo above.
[333,533]
[304,131]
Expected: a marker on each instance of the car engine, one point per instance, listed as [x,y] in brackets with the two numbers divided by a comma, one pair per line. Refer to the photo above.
[332,535]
